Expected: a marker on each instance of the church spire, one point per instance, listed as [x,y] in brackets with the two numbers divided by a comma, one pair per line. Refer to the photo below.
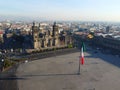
[55,29]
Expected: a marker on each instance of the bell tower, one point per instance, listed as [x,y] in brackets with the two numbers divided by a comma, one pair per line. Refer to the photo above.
[55,29]
[55,35]
[35,34]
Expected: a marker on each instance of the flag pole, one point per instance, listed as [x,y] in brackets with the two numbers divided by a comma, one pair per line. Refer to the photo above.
[79,67]
[81,58]
[79,64]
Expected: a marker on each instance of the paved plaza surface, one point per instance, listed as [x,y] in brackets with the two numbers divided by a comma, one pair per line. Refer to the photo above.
[8,81]
[100,72]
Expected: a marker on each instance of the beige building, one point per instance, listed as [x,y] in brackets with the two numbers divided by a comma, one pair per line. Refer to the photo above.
[43,39]
[1,36]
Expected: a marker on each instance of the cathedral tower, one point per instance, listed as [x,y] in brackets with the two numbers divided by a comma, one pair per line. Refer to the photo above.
[55,35]
[55,30]
[35,34]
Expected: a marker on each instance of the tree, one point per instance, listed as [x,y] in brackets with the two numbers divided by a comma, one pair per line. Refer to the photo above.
[17,41]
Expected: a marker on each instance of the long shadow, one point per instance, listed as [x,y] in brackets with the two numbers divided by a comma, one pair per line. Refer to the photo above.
[13,78]
[8,79]
[58,74]
[25,77]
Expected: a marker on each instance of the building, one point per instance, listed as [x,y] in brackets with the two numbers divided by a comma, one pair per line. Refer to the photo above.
[1,35]
[107,42]
[1,39]
[107,29]
[43,39]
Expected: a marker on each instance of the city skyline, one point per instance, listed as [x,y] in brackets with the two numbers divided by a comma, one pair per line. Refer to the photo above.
[80,10]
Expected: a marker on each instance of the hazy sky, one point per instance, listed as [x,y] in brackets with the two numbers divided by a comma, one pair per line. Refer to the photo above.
[102,10]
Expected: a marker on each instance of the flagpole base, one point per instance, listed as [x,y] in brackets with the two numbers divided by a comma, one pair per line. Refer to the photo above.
[78,73]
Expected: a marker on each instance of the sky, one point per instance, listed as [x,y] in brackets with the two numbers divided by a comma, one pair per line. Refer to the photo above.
[80,10]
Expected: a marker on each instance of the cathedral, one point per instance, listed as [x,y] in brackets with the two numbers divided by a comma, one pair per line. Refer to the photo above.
[43,39]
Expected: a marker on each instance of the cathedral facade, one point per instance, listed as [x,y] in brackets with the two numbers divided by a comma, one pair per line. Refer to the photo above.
[43,39]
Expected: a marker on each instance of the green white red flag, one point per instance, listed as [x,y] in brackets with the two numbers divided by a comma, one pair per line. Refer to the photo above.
[82,56]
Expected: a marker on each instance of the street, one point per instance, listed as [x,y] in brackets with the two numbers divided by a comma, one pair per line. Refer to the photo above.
[100,72]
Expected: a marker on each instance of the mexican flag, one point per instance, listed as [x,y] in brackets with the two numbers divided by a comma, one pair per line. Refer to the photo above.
[82,53]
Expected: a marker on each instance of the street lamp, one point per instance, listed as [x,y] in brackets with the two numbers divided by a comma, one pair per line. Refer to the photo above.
[2,65]
[1,61]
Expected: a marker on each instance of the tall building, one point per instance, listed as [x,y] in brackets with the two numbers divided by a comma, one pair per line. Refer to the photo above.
[107,29]
[35,34]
